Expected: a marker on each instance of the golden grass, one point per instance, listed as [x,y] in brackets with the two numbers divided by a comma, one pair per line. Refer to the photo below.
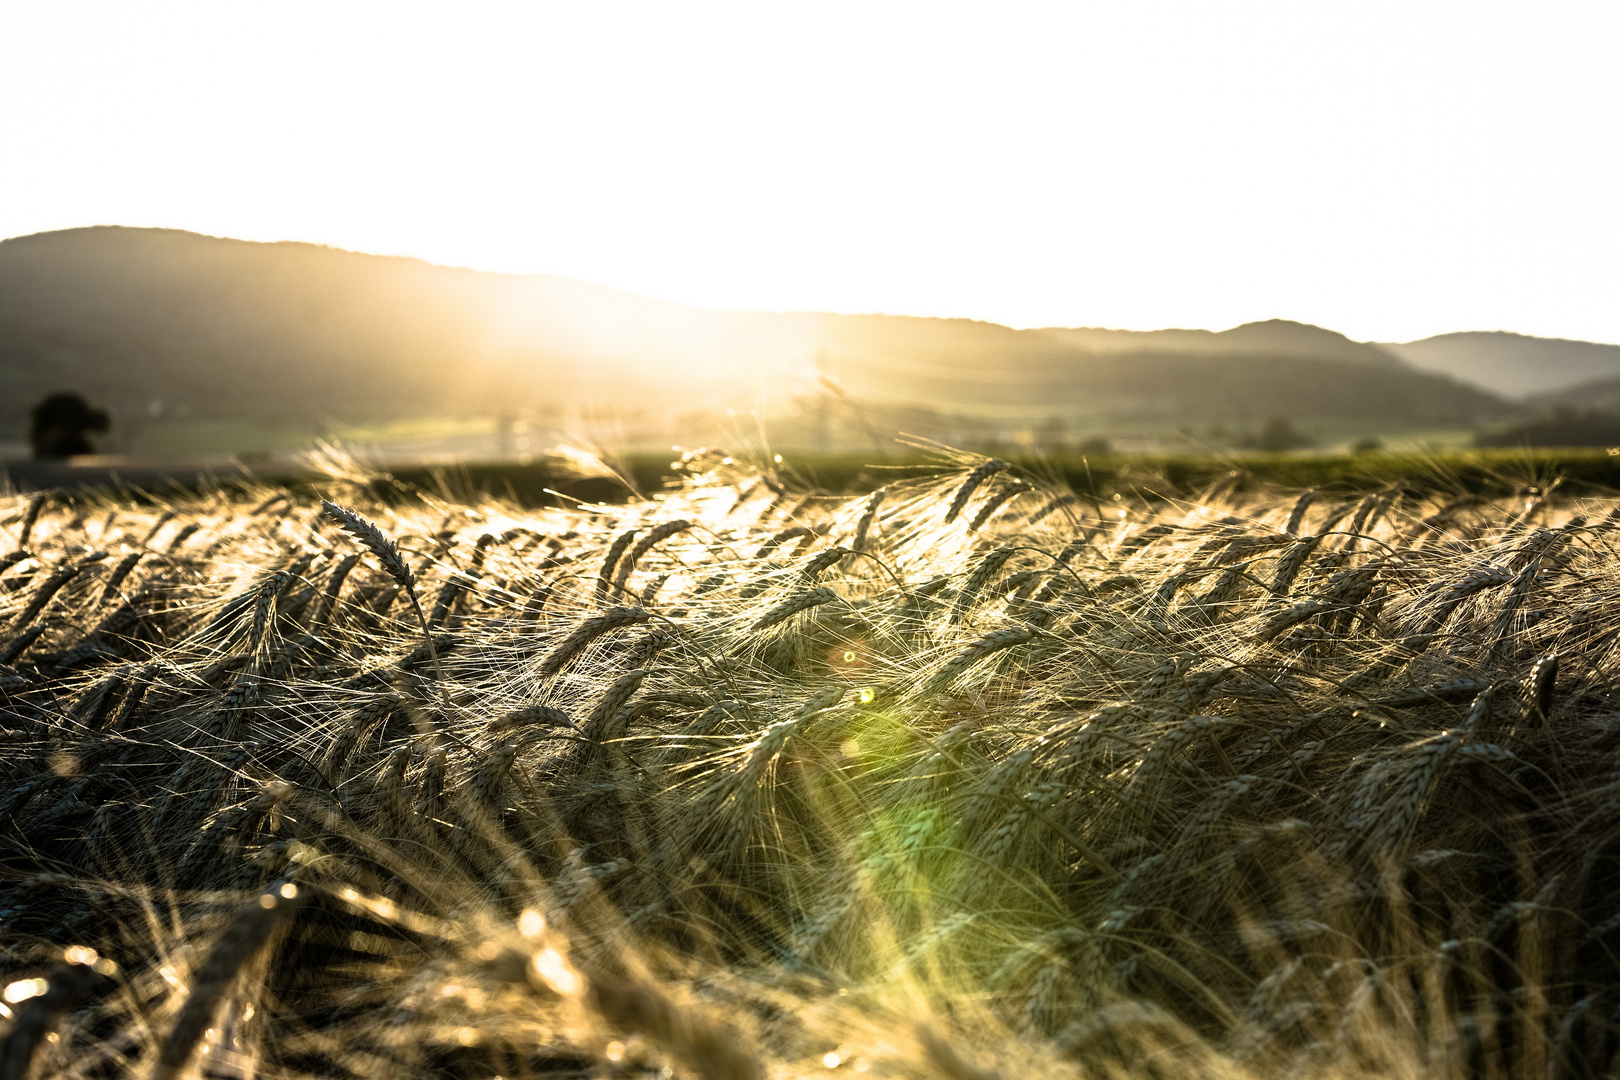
[738,781]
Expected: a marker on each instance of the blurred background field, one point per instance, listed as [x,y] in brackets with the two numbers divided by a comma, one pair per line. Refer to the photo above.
[212,354]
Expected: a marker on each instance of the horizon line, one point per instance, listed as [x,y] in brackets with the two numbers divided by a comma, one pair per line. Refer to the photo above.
[769,311]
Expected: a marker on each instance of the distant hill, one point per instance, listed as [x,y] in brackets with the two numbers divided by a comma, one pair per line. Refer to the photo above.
[161,323]
[1513,365]
[1599,395]
[172,323]
[1166,375]
[1274,337]
[1557,426]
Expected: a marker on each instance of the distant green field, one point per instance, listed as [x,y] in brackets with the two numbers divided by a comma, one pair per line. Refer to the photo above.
[1094,478]
[1102,475]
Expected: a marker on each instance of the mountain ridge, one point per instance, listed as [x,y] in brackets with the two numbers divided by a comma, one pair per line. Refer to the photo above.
[169,323]
[1515,365]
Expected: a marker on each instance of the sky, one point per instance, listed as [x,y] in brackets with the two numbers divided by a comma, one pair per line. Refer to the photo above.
[1388,170]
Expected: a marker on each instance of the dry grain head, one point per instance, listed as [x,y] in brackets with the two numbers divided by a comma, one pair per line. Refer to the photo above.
[965,492]
[368,533]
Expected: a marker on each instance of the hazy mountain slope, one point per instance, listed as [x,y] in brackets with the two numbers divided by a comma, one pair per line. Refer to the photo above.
[1162,385]
[160,322]
[1599,395]
[1514,365]
[222,327]
[1274,337]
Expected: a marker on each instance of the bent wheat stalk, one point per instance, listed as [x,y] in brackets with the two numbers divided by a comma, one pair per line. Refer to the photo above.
[587,632]
[30,516]
[793,605]
[978,476]
[387,553]
[659,533]
[210,983]
[68,984]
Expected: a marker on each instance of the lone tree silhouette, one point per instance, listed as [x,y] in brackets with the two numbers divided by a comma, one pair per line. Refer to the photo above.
[1281,434]
[61,424]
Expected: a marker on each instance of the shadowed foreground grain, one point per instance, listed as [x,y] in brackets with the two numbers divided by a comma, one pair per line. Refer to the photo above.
[736,782]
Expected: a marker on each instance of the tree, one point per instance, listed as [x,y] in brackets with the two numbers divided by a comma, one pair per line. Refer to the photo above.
[1280,434]
[60,426]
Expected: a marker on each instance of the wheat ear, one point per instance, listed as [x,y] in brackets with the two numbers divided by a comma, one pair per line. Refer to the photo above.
[268,590]
[793,532]
[1289,566]
[120,572]
[1540,686]
[387,553]
[209,983]
[532,716]
[327,605]
[587,632]
[990,643]
[996,502]
[68,983]
[1296,516]
[627,565]
[601,724]
[43,595]
[157,527]
[793,605]
[605,577]
[822,563]
[710,1050]
[978,476]
[1053,505]
[31,515]
[864,525]
[989,566]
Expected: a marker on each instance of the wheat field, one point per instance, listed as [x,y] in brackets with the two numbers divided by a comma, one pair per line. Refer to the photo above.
[969,777]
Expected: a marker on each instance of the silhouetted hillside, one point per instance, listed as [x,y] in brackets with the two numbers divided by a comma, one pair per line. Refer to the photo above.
[1158,375]
[1559,425]
[1513,365]
[176,323]
[162,323]
[1600,394]
[1274,338]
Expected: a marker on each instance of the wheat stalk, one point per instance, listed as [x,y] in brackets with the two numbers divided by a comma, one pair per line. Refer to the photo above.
[868,515]
[979,475]
[68,983]
[36,503]
[800,601]
[988,567]
[996,502]
[387,553]
[655,536]
[587,632]
[248,932]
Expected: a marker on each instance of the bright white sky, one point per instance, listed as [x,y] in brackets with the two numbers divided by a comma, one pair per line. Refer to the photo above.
[1390,170]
